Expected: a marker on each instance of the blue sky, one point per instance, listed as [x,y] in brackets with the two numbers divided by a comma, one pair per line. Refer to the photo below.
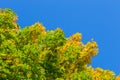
[98,19]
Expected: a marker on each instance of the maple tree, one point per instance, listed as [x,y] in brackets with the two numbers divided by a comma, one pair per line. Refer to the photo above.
[34,53]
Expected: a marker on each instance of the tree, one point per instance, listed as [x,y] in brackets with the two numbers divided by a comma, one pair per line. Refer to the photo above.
[34,53]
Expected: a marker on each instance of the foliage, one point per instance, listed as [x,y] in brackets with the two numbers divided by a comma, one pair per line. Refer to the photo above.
[32,53]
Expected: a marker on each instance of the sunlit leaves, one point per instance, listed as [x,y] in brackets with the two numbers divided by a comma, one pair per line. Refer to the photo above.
[8,19]
[33,53]
[118,78]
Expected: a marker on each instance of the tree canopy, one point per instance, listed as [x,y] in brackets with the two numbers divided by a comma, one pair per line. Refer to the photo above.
[34,53]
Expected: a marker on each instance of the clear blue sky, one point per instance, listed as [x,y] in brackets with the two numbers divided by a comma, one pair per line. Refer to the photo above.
[98,19]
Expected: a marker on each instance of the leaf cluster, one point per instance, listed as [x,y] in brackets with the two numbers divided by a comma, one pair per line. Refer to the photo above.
[34,53]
